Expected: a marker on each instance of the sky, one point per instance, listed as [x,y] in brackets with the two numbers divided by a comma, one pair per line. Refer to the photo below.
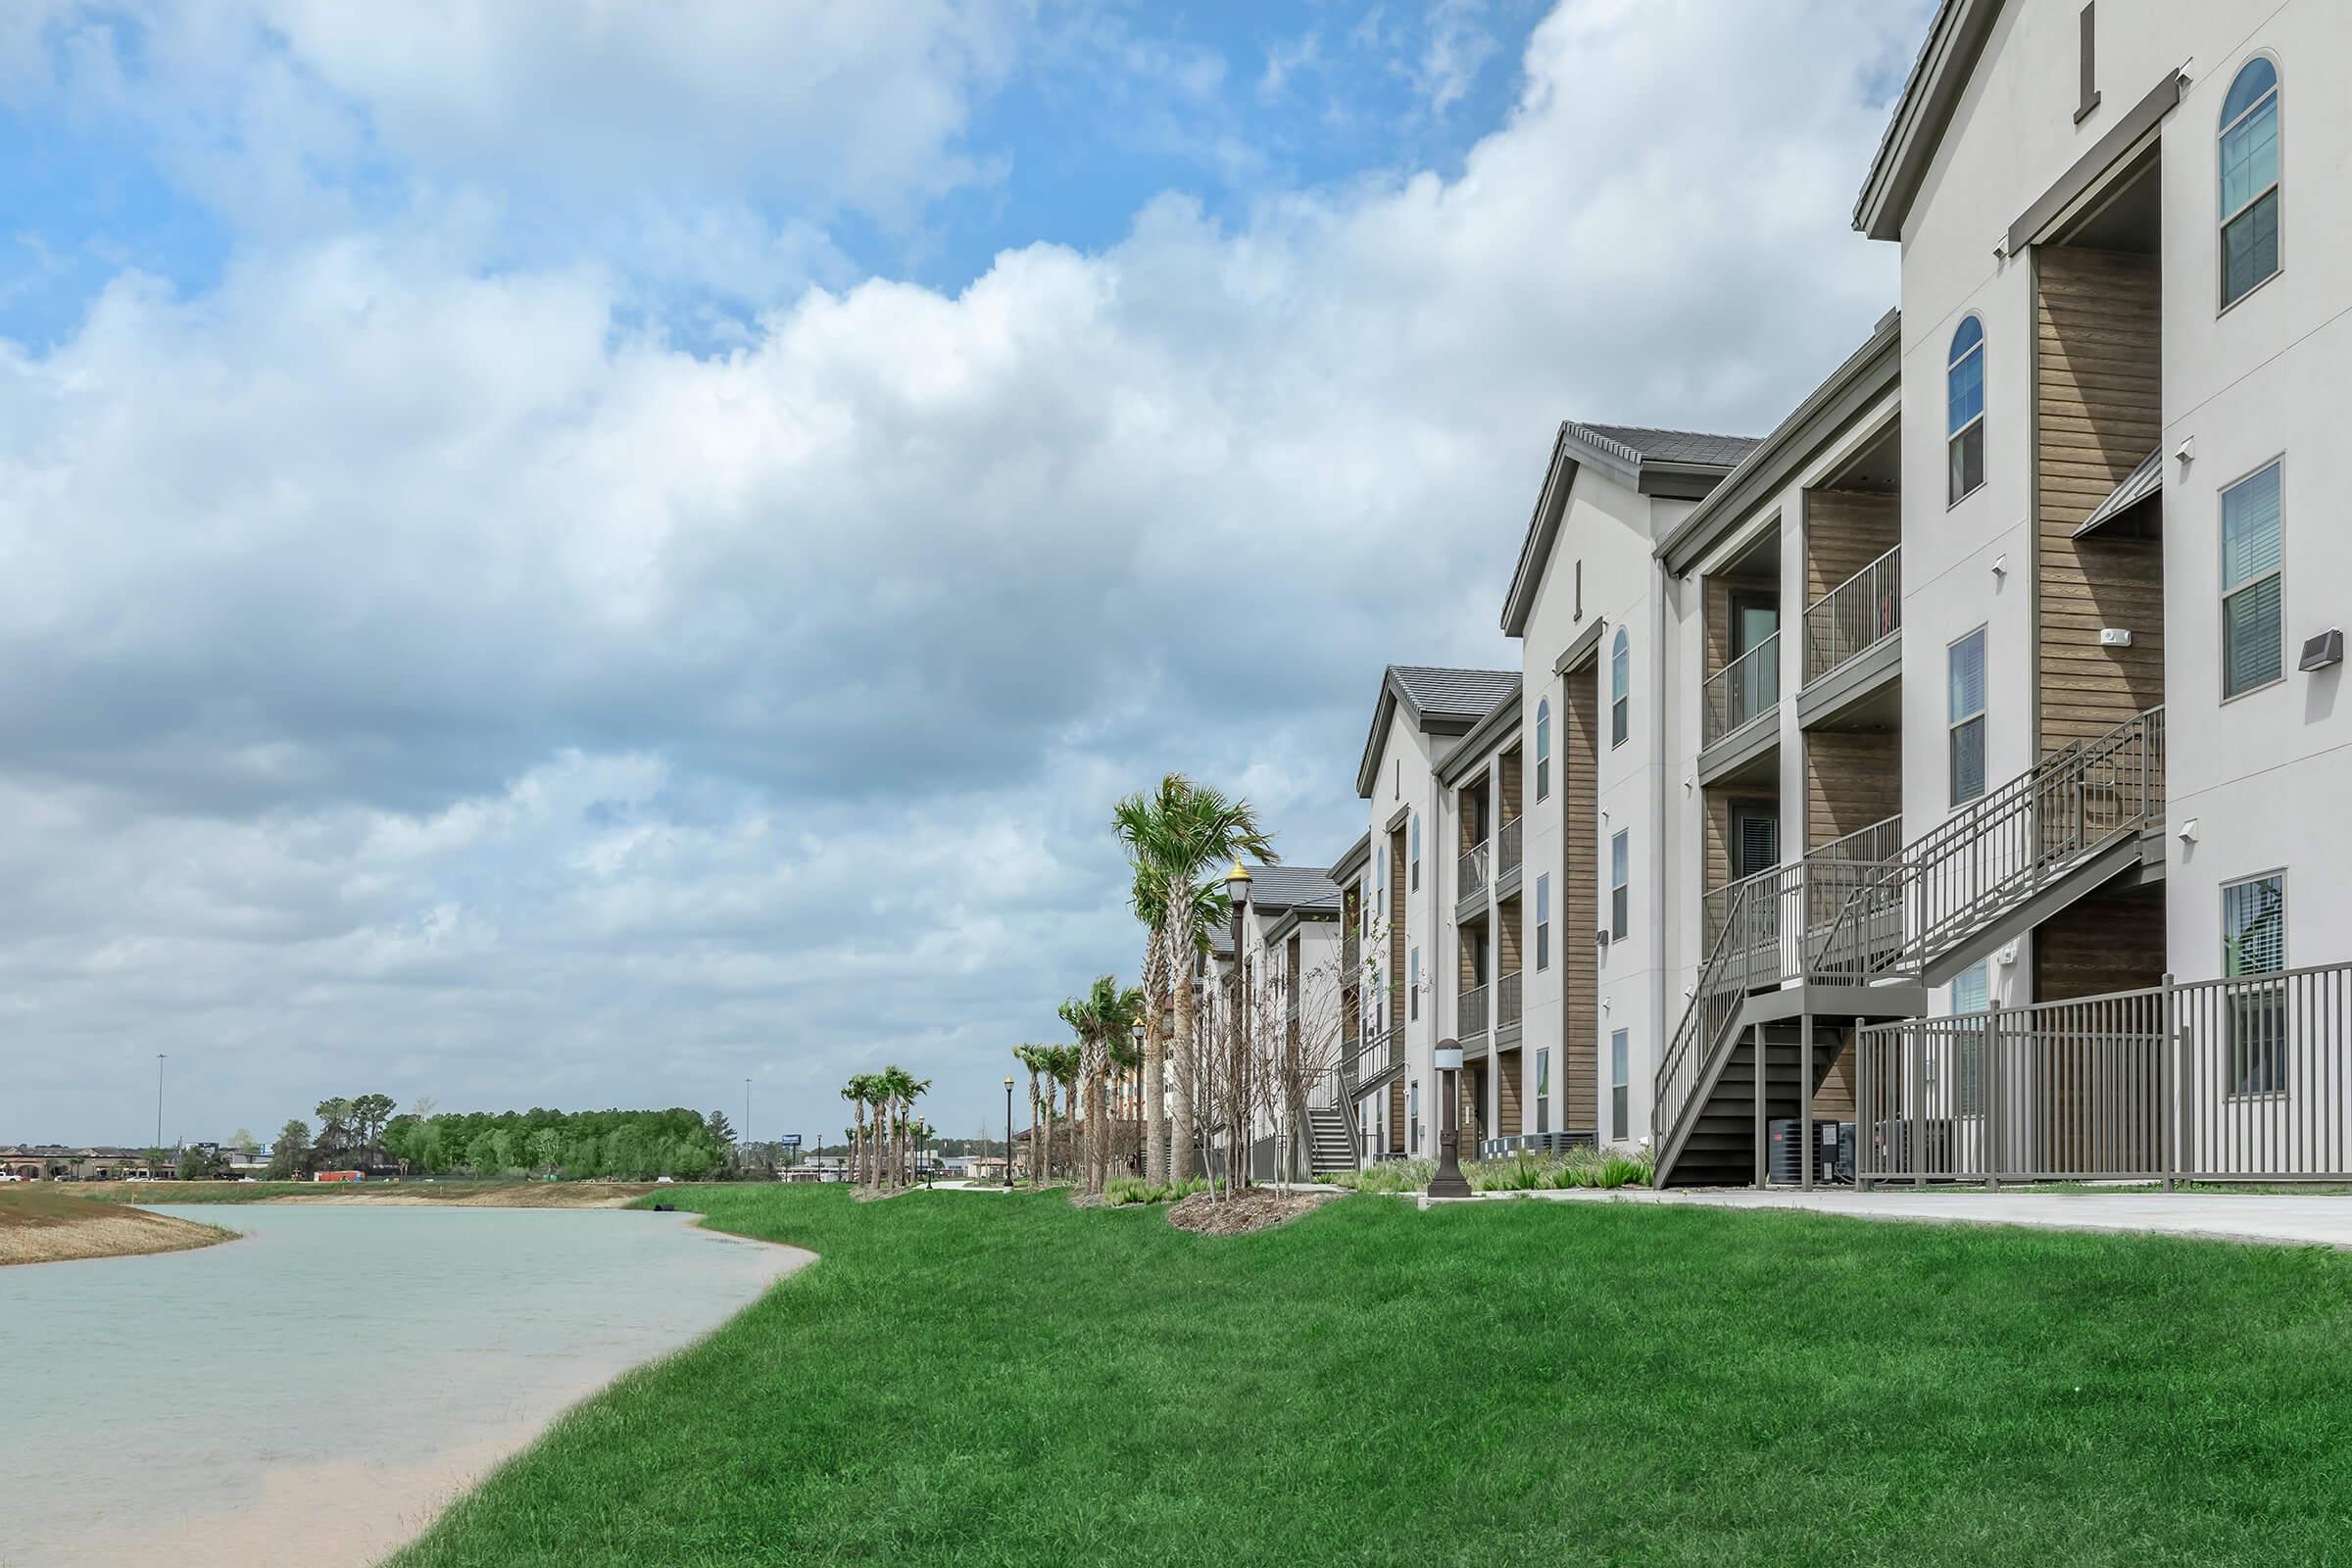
[577,557]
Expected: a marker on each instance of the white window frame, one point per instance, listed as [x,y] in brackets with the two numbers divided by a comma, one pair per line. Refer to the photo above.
[2277,185]
[2234,1003]
[1952,361]
[1413,984]
[1543,1094]
[1621,1077]
[1953,724]
[1543,751]
[2229,591]
[1621,687]
[1412,857]
[1621,884]
[1542,922]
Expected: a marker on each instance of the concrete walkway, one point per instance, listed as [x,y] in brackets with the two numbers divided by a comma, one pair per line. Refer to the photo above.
[2289,1220]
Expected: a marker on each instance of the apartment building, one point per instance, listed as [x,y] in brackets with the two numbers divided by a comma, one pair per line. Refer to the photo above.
[1290,982]
[1402,890]
[2113,661]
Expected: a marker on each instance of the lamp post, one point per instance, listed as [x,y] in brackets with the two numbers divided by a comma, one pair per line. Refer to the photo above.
[1008,1132]
[1447,1182]
[1135,1035]
[1237,893]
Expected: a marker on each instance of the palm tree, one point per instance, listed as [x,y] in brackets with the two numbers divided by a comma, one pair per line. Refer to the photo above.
[910,1089]
[1063,1065]
[1032,1057]
[1103,1014]
[854,1092]
[1175,837]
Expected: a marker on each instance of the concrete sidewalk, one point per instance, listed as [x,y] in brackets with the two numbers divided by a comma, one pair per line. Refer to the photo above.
[2288,1221]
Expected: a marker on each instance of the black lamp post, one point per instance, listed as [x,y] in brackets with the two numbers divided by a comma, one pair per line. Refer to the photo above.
[1448,1182]
[1136,1036]
[1008,1132]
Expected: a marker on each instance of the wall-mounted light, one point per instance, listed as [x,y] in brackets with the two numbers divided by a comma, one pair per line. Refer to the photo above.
[2188,831]
[2000,565]
[2187,452]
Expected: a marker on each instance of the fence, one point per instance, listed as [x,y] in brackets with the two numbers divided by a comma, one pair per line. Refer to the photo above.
[2222,1080]
[1744,689]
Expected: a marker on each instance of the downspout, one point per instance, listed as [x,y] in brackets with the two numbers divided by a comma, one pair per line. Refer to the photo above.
[1660,832]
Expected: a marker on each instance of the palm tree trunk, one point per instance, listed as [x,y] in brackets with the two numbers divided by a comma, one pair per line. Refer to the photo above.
[1154,1109]
[1037,1159]
[1187,1060]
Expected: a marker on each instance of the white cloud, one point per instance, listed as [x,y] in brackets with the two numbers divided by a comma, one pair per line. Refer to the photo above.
[420,678]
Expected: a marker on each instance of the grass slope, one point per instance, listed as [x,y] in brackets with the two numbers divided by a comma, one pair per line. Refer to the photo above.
[498,1192]
[974,1381]
[42,1224]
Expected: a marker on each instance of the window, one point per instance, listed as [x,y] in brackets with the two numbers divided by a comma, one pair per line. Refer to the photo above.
[1413,857]
[2253,645]
[1966,665]
[1578,610]
[1620,1093]
[1413,984]
[1620,679]
[2254,943]
[1413,1112]
[1620,852]
[2089,61]
[2250,182]
[1542,1091]
[1397,779]
[1544,922]
[1964,407]
[1972,993]
[1544,751]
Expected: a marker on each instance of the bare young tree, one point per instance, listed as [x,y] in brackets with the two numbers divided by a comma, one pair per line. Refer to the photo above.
[1297,1059]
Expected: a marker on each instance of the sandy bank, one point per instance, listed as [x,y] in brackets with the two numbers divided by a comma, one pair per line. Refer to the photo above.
[38,1226]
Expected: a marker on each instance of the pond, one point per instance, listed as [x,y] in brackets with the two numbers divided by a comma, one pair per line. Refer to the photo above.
[316,1390]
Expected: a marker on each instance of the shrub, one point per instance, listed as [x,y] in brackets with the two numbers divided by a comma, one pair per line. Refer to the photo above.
[1124,1189]
[1520,1173]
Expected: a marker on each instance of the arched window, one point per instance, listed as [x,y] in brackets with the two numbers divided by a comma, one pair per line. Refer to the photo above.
[2250,180]
[1964,399]
[1620,682]
[1543,750]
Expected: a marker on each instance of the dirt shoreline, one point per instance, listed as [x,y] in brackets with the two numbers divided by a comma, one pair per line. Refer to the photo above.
[49,1229]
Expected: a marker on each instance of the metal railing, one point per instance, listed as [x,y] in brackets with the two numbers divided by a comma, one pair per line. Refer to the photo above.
[2247,1079]
[2006,846]
[1470,1015]
[1856,615]
[1470,871]
[1508,999]
[1375,1057]
[1508,846]
[1744,690]
[1880,842]
[1834,921]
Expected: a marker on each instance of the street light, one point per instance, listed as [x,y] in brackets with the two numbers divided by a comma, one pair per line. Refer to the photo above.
[1136,1033]
[158,1101]
[1447,1182]
[1008,1132]
[1237,890]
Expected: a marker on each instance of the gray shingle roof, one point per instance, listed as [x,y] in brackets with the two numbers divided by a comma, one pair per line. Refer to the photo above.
[1468,695]
[1293,887]
[1674,446]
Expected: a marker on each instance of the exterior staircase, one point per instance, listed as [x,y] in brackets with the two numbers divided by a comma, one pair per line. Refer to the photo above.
[1330,1141]
[2008,860]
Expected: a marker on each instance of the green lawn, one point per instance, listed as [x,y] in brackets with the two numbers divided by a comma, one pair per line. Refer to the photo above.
[978,1380]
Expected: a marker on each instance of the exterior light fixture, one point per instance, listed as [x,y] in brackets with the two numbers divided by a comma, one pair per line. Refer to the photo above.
[1448,1182]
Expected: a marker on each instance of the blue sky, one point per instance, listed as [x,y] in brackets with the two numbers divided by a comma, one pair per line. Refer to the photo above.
[545,564]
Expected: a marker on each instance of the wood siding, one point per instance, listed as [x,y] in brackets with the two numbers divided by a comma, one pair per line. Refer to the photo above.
[2111,941]
[1834,1100]
[1579,912]
[2100,413]
[1506,934]
[1722,634]
[1513,770]
[1847,530]
[1851,780]
[1508,1122]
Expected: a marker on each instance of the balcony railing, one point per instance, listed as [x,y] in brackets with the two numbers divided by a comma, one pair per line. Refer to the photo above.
[1376,1055]
[1880,841]
[2220,1080]
[1471,874]
[1352,954]
[1471,1018]
[1508,846]
[1856,615]
[1744,690]
[1507,1000]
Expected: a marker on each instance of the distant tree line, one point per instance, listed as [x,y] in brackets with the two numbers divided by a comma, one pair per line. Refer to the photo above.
[616,1144]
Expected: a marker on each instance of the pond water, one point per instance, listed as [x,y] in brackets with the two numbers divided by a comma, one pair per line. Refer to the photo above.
[316,1390]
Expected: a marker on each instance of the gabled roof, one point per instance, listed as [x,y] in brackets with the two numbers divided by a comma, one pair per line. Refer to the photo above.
[1872,373]
[1954,44]
[1502,725]
[1359,855]
[1274,889]
[1440,701]
[1685,463]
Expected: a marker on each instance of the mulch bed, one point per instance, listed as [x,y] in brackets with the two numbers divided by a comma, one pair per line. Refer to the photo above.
[1254,1209]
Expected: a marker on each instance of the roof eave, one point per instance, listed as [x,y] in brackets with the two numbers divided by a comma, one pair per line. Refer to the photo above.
[1873,371]
[1955,39]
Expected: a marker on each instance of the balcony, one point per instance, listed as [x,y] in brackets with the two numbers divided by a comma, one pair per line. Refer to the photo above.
[1507,1002]
[1744,690]
[1874,845]
[1509,849]
[1471,1016]
[1853,648]
[1352,955]
[1470,875]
